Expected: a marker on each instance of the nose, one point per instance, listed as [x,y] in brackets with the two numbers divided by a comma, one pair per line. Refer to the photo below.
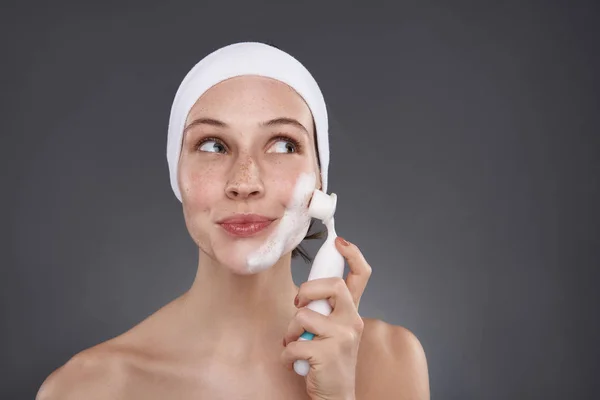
[245,181]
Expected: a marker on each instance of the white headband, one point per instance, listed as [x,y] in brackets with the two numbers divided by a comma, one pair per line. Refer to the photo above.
[247,58]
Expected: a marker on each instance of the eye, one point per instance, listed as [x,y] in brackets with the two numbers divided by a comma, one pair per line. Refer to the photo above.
[285,145]
[211,145]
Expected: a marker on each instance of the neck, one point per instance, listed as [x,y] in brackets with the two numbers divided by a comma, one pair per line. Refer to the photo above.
[248,309]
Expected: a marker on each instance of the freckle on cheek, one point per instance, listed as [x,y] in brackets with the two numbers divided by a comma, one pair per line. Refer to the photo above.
[195,182]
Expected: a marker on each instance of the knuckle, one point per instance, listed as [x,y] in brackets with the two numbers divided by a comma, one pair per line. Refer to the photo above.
[353,257]
[339,284]
[358,325]
[288,352]
[348,338]
[302,314]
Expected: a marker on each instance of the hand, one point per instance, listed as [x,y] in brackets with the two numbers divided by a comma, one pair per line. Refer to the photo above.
[333,351]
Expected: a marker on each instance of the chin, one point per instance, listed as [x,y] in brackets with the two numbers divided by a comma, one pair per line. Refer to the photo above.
[239,265]
[235,257]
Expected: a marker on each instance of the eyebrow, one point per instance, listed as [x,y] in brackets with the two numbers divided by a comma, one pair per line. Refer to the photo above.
[271,122]
[285,121]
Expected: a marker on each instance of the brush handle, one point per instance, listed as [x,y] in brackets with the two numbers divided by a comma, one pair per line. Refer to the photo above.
[322,307]
[328,262]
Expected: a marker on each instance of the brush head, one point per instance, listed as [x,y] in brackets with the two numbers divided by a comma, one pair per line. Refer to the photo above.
[322,206]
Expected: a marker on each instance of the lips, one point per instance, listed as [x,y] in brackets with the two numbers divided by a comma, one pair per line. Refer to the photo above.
[245,225]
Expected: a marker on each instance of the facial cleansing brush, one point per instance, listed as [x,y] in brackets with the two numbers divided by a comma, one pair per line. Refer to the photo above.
[328,262]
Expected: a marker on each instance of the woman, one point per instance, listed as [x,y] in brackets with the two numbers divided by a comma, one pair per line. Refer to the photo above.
[246,123]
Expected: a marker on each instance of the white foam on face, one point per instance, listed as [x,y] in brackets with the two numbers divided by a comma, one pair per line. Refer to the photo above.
[292,227]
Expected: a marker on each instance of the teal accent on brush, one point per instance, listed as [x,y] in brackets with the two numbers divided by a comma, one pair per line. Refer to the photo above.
[307,335]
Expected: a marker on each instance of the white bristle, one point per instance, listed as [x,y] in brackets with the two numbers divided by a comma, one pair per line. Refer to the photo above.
[322,205]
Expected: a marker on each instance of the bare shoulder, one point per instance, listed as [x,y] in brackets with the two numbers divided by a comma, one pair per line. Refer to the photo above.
[391,363]
[96,373]
[114,369]
[391,340]
[109,370]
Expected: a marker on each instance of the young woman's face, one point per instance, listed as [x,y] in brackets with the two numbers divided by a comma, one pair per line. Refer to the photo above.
[247,141]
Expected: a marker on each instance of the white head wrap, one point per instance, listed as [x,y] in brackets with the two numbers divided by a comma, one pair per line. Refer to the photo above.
[246,58]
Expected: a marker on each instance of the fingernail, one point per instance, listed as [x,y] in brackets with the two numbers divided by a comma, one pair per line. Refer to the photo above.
[296,300]
[342,241]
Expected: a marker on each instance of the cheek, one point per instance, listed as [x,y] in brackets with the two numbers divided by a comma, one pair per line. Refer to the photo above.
[200,187]
[283,178]
[292,227]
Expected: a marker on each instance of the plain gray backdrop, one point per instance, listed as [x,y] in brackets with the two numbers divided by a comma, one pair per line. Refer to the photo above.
[464,154]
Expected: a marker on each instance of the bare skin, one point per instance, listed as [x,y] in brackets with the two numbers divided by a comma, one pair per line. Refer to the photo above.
[153,361]
[224,337]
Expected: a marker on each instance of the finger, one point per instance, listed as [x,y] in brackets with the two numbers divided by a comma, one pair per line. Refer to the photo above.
[309,350]
[359,270]
[311,321]
[334,290]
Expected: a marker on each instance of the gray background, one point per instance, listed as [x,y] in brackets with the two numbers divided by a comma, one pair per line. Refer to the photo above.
[464,154]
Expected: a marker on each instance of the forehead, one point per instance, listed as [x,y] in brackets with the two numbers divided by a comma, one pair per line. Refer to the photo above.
[251,97]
